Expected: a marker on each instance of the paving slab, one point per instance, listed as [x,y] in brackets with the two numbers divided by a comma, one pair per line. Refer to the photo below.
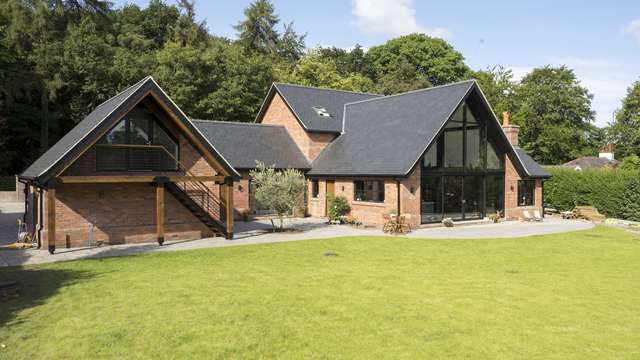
[259,232]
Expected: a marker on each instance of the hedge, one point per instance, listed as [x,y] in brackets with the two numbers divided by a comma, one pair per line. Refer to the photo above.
[7,183]
[601,188]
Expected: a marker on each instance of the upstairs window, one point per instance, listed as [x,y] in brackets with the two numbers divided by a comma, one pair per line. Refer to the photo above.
[526,192]
[321,111]
[137,143]
[369,190]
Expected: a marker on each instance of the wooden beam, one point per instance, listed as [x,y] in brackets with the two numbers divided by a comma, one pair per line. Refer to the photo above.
[135,179]
[160,212]
[51,220]
[229,208]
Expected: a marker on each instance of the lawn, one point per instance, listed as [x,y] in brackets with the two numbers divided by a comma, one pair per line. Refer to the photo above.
[566,296]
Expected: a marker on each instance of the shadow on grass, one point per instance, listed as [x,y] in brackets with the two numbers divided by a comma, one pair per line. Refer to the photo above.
[35,286]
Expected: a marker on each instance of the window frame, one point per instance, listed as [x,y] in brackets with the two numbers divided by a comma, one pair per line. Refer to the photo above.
[315,188]
[364,191]
[527,185]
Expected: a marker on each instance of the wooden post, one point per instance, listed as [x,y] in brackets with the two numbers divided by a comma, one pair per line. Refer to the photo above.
[51,220]
[228,187]
[160,212]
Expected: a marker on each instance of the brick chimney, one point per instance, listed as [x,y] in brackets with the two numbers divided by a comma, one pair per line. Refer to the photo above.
[607,152]
[510,130]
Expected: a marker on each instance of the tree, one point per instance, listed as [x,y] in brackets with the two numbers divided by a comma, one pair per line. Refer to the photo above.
[280,191]
[625,131]
[318,72]
[257,32]
[290,46]
[403,79]
[554,114]
[498,86]
[433,58]
[631,206]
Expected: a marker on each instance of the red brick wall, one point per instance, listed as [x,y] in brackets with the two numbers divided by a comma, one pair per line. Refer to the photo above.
[241,195]
[311,144]
[511,208]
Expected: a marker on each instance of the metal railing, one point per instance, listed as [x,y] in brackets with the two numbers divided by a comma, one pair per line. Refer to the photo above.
[158,158]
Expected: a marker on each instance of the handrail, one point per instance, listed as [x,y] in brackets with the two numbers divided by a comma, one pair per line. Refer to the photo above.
[199,186]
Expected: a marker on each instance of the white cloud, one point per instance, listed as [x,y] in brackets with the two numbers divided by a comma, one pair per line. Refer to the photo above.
[391,17]
[633,28]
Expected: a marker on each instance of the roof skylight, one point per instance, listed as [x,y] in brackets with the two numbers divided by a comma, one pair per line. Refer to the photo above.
[321,111]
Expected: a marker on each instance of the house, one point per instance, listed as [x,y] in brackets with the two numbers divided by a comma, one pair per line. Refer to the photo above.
[138,169]
[605,159]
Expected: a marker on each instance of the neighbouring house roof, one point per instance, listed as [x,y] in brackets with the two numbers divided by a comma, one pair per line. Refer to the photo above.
[245,143]
[591,162]
[99,121]
[302,100]
[531,167]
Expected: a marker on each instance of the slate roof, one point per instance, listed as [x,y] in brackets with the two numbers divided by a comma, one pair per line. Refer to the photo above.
[387,136]
[99,121]
[531,167]
[591,162]
[302,99]
[243,144]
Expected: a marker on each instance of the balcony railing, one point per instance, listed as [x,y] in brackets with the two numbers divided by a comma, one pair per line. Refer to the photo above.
[134,158]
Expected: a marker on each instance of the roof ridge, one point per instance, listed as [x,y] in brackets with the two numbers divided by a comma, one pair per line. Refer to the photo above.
[276,83]
[119,93]
[414,91]
[237,123]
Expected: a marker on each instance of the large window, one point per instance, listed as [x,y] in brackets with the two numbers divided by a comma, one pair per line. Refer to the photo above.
[526,192]
[315,188]
[369,190]
[137,143]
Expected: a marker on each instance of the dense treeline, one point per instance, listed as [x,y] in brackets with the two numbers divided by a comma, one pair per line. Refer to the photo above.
[60,59]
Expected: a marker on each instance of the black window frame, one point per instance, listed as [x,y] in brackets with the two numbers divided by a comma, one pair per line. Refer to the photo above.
[151,121]
[526,192]
[315,188]
[364,193]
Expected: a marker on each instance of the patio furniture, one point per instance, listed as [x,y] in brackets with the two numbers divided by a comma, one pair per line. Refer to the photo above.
[537,216]
[528,217]
[394,224]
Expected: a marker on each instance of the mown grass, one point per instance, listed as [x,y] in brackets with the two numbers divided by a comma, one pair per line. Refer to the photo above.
[563,296]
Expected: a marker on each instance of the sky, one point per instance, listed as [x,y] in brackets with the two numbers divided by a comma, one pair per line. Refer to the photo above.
[599,40]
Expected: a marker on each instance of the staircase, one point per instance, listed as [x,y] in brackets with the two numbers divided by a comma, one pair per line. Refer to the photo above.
[201,202]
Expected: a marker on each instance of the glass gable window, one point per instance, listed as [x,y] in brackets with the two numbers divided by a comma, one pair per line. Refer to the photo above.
[463,169]
[369,190]
[137,143]
[526,192]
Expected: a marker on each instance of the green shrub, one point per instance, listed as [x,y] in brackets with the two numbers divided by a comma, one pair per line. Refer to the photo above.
[631,206]
[338,207]
[602,188]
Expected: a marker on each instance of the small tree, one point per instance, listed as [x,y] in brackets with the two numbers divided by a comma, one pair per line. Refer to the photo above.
[631,205]
[280,191]
[338,207]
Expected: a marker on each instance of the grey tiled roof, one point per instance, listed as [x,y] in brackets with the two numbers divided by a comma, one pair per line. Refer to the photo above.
[387,136]
[590,162]
[78,139]
[302,99]
[243,144]
[531,167]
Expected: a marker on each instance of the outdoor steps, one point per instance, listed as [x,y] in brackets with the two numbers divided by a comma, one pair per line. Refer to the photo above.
[212,223]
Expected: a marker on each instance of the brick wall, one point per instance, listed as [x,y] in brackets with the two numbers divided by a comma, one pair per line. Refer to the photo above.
[241,201]
[317,206]
[311,144]
[511,208]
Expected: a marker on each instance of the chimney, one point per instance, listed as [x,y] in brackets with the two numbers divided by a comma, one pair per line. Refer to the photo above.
[510,130]
[607,152]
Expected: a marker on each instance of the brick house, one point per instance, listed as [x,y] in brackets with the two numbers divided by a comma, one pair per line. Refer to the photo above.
[429,154]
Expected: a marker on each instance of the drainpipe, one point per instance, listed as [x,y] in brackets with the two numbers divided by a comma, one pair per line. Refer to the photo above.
[398,195]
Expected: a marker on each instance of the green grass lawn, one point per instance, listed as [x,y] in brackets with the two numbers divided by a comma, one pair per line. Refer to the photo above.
[566,296]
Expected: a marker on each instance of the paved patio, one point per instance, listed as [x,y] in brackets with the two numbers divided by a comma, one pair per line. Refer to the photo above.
[259,232]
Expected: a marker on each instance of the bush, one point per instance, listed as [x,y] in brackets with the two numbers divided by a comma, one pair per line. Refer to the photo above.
[631,206]
[602,188]
[338,207]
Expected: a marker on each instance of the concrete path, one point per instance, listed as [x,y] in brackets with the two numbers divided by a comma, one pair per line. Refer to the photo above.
[10,212]
[258,232]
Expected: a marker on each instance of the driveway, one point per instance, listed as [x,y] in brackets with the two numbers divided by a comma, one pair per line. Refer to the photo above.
[259,232]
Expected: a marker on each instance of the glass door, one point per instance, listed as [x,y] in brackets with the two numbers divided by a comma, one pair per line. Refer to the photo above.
[431,207]
[473,189]
[453,197]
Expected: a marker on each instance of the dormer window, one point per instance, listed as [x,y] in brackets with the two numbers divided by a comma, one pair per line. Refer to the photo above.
[321,111]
